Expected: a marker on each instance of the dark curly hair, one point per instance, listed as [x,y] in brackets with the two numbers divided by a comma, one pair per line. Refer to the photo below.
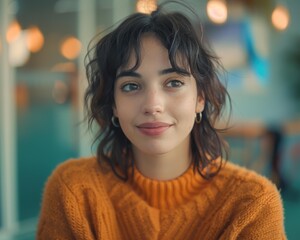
[180,36]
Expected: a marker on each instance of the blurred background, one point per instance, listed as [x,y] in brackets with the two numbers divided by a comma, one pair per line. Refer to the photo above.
[42,81]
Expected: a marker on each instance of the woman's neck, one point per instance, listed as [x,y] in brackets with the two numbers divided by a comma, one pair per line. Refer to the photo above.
[164,166]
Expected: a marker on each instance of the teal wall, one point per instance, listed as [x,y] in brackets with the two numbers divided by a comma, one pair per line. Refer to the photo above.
[275,102]
[46,136]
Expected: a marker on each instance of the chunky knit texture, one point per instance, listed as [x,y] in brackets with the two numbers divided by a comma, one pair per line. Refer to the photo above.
[84,200]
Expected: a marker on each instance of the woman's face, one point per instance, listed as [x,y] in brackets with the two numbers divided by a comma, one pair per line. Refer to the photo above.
[156,105]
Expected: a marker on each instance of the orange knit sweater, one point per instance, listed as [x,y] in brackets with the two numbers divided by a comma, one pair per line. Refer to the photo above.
[85,201]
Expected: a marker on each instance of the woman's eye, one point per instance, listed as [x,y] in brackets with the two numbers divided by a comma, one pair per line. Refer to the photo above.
[174,84]
[129,87]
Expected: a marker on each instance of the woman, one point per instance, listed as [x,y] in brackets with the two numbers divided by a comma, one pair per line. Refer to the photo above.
[159,173]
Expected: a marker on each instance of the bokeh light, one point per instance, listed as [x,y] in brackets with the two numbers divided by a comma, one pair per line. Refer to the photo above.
[217,11]
[35,39]
[280,18]
[146,6]
[70,48]
[18,52]
[13,31]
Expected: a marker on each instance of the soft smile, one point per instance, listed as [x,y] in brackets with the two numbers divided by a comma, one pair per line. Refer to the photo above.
[153,128]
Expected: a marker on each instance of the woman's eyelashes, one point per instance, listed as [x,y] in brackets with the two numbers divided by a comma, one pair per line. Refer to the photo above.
[174,84]
[134,86]
[130,87]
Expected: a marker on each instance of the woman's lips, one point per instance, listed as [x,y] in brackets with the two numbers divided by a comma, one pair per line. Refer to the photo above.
[153,128]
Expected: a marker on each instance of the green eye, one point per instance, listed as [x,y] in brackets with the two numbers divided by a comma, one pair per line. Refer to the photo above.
[174,84]
[129,87]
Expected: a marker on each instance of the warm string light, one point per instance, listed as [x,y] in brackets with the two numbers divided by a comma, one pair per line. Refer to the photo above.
[146,6]
[22,42]
[18,53]
[280,17]
[70,48]
[217,11]
[13,31]
[35,39]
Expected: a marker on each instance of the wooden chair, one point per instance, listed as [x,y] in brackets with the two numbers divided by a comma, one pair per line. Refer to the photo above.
[251,146]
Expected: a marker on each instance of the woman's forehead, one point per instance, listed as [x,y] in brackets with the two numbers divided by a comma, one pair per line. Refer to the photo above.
[151,46]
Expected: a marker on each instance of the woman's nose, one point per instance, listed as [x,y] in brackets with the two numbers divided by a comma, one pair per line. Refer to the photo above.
[153,102]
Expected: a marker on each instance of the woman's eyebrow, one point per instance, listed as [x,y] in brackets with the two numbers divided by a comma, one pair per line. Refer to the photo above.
[130,73]
[180,71]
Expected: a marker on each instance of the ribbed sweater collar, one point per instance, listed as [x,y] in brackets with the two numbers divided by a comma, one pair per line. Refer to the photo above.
[167,194]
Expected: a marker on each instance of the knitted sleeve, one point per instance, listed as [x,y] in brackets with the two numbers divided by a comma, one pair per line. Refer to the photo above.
[262,218]
[60,217]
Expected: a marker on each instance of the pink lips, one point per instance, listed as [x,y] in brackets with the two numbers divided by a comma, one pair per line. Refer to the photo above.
[153,128]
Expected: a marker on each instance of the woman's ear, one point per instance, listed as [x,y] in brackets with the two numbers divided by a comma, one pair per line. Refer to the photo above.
[200,104]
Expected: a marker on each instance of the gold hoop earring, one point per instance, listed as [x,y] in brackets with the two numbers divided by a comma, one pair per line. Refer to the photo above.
[115,122]
[198,117]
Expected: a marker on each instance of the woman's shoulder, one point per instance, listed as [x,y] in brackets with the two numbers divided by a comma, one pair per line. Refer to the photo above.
[250,201]
[78,173]
[246,181]
[76,166]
